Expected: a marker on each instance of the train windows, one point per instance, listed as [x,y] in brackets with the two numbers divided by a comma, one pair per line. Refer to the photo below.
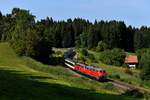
[70,62]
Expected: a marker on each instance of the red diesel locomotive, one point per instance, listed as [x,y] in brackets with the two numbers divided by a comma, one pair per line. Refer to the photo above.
[97,73]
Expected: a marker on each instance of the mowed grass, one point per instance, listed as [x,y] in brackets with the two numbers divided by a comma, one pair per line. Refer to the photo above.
[22,78]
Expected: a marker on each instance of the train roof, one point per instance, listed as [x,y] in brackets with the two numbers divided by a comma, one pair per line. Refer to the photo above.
[94,68]
[81,64]
[90,67]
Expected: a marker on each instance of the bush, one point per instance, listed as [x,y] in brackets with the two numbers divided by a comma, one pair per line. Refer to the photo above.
[82,59]
[125,65]
[128,71]
[134,92]
[109,86]
[92,58]
[141,52]
[101,46]
[58,53]
[145,65]
[113,57]
[56,61]
[116,76]
[147,96]
[84,52]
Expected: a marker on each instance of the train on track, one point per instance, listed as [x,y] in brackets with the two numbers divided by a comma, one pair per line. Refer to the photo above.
[97,73]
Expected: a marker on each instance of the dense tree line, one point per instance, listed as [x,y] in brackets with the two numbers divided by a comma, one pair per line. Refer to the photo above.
[25,34]
[20,29]
[77,32]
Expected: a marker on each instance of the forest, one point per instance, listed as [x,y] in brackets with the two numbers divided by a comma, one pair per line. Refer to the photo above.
[35,38]
[72,32]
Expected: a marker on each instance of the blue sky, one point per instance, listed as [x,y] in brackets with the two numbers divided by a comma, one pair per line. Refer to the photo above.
[133,12]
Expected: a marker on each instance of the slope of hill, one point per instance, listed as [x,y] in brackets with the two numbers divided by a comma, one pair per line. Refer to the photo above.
[23,78]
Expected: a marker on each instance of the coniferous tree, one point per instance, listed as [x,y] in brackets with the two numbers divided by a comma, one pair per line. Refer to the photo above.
[0,25]
[83,39]
[78,32]
[138,40]
[93,37]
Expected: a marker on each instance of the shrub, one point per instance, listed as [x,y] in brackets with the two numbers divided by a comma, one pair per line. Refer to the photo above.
[125,65]
[140,53]
[109,86]
[58,53]
[102,46]
[145,63]
[92,58]
[147,96]
[84,52]
[134,92]
[128,71]
[82,59]
[56,60]
[116,76]
[113,57]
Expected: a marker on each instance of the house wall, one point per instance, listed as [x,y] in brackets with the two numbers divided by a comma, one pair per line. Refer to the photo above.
[132,65]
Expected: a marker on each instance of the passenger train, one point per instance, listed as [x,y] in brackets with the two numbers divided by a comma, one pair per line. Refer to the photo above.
[97,73]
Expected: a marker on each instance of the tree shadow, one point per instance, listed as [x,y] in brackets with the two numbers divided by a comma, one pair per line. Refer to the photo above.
[52,61]
[16,86]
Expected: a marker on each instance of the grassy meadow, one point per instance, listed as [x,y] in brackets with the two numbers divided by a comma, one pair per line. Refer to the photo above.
[22,78]
[120,73]
[115,72]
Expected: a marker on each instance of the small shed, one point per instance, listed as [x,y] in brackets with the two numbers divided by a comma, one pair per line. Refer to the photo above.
[131,61]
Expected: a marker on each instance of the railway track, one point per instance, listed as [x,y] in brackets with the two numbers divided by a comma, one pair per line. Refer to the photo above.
[118,84]
[126,86]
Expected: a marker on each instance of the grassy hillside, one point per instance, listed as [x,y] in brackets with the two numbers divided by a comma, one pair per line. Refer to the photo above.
[26,79]
[113,71]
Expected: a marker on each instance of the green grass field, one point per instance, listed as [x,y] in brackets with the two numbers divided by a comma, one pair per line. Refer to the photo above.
[22,78]
[120,71]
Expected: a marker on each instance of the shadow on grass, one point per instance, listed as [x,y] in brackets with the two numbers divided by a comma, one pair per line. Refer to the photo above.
[16,86]
[52,61]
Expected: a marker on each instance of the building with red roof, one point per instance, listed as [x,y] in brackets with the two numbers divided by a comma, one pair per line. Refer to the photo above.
[131,61]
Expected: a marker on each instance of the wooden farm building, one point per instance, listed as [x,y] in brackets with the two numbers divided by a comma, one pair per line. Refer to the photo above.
[131,61]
